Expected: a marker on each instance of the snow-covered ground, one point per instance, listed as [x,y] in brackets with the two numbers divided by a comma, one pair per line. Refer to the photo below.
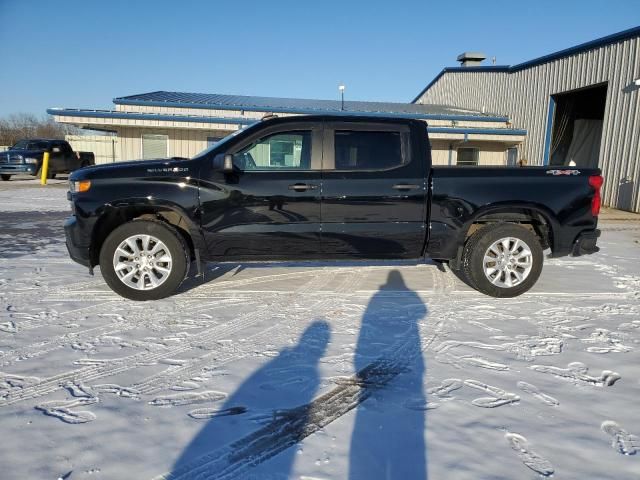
[314,371]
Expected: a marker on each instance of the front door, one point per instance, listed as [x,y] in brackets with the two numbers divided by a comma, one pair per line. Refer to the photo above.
[374,192]
[269,207]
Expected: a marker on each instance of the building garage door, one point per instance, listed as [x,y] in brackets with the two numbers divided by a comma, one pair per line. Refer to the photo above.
[154,146]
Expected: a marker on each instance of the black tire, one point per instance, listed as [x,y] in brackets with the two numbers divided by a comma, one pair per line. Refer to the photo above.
[474,253]
[166,234]
[5,177]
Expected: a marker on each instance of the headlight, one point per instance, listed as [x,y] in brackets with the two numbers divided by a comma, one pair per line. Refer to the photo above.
[79,186]
[31,160]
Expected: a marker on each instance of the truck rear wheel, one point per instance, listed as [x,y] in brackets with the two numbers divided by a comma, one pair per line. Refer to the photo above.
[5,177]
[502,260]
[144,260]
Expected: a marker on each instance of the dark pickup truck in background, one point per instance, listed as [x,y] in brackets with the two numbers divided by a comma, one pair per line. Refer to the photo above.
[327,187]
[25,157]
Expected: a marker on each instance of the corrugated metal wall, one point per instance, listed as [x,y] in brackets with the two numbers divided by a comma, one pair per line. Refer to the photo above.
[524,96]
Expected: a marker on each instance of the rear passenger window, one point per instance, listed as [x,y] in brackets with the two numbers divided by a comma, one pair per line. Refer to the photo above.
[360,150]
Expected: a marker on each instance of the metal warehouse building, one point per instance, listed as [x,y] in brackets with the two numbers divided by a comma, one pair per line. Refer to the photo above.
[161,124]
[578,105]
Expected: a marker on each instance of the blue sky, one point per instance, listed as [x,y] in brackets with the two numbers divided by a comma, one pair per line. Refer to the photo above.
[84,53]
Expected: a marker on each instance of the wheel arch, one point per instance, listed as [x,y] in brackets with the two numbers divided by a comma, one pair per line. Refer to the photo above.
[539,218]
[113,216]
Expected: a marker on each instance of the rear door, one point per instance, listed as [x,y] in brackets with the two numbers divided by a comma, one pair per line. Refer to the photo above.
[270,207]
[70,160]
[374,192]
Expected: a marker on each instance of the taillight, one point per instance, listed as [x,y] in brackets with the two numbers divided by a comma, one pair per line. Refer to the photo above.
[596,182]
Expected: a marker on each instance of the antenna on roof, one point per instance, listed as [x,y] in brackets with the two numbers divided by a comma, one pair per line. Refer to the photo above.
[341,88]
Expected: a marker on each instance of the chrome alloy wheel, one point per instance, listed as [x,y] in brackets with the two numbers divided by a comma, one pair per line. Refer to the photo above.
[508,262]
[142,262]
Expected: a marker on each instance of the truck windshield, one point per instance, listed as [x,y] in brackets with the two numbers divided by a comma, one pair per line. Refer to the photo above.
[22,144]
[30,145]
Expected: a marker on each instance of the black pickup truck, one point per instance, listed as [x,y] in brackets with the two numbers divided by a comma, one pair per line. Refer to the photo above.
[26,157]
[326,187]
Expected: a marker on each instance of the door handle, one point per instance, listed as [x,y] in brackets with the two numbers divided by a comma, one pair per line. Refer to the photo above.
[405,186]
[302,187]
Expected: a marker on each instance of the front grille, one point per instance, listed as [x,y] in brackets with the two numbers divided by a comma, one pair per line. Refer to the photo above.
[8,158]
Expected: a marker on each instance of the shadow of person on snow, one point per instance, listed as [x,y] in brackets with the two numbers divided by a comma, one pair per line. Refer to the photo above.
[263,418]
[388,435]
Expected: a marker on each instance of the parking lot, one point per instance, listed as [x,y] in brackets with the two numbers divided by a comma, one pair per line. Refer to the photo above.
[314,370]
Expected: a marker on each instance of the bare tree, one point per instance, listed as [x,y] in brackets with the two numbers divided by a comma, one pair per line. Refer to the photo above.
[25,125]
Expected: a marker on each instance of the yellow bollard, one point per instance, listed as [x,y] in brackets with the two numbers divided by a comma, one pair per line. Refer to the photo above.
[44,169]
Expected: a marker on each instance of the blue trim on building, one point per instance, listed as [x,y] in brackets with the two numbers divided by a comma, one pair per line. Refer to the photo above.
[481,131]
[312,111]
[599,42]
[148,116]
[547,136]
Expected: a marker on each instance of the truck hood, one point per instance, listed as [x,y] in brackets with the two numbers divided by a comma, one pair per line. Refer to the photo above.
[22,152]
[161,167]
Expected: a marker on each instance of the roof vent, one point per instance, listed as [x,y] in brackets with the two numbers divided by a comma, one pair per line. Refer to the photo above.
[471,59]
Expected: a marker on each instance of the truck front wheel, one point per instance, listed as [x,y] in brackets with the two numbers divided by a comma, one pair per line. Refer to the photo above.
[144,260]
[502,260]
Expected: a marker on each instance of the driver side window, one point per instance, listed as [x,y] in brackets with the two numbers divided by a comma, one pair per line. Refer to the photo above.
[279,151]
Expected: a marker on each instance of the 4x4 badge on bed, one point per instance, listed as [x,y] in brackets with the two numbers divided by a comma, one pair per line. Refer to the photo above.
[563,172]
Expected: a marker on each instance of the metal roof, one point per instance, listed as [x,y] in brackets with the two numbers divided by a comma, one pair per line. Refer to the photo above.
[303,106]
[583,47]
[74,112]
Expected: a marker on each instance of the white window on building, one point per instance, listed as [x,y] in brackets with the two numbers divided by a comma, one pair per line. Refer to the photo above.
[468,156]
[154,146]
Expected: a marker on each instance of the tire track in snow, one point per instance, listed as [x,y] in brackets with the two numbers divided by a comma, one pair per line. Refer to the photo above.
[167,378]
[104,368]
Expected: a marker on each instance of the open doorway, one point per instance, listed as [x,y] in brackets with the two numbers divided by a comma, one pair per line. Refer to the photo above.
[577,127]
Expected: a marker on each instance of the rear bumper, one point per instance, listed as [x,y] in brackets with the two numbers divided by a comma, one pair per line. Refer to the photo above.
[585,244]
[75,242]
[17,168]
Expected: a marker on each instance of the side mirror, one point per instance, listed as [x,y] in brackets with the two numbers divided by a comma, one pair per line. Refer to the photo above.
[223,163]
[227,166]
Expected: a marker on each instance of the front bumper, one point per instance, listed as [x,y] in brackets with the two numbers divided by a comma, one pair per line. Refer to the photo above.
[585,244]
[17,168]
[75,245]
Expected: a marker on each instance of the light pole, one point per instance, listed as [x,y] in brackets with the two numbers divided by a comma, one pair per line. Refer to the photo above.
[341,87]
